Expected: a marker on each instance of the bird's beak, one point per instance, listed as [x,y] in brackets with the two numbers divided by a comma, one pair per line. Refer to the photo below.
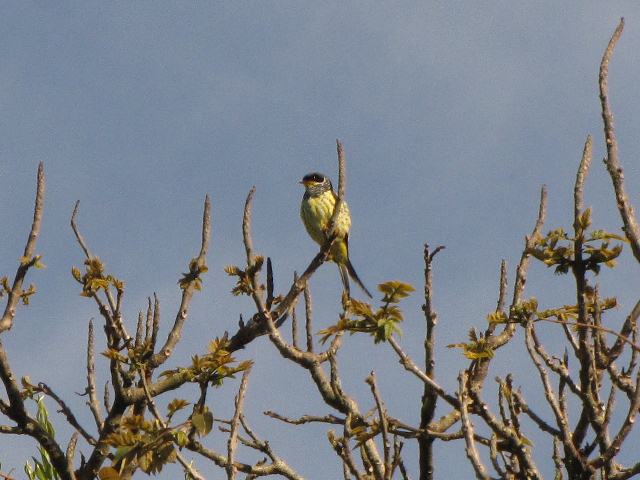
[306,184]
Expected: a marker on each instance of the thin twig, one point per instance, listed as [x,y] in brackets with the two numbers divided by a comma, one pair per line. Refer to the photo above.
[76,231]
[232,442]
[629,327]
[537,419]
[66,411]
[246,226]
[624,430]
[622,338]
[510,435]
[631,229]
[521,271]
[294,318]
[502,295]
[308,315]
[28,258]
[384,425]
[467,428]
[410,366]
[188,467]
[187,293]
[560,413]
[581,176]
[93,403]
[429,397]
[332,419]
[71,451]
[342,185]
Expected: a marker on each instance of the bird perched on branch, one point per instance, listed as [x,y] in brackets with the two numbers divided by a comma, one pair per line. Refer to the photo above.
[316,210]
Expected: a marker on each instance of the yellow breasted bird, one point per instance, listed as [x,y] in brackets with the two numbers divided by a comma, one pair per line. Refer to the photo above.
[316,210]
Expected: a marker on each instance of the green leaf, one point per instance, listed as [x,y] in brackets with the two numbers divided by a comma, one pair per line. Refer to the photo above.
[181,438]
[202,422]
[395,290]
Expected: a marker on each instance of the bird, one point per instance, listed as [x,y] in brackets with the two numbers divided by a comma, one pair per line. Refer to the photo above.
[316,210]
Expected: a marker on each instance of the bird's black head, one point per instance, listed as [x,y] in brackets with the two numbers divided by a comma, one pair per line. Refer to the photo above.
[316,184]
[313,178]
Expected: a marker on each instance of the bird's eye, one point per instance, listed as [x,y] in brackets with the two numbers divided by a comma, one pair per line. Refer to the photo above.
[318,178]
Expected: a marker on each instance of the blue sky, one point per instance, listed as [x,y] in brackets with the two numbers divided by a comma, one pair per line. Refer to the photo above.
[452,114]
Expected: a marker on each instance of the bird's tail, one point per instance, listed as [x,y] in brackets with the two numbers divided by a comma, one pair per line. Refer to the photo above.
[344,276]
[354,276]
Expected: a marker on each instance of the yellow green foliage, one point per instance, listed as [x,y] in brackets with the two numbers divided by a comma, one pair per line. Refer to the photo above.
[243,285]
[145,441]
[557,247]
[34,261]
[192,278]
[214,366]
[94,278]
[360,316]
[477,348]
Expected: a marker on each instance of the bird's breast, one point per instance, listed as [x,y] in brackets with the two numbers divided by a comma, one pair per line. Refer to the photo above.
[316,212]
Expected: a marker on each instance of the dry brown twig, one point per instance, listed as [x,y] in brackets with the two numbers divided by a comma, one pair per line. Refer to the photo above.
[233,434]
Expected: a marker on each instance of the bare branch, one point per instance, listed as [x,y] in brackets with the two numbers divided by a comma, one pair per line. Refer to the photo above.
[66,411]
[155,323]
[622,338]
[76,230]
[6,429]
[332,419]
[509,434]
[429,397]
[467,428]
[557,458]
[342,449]
[105,398]
[294,315]
[542,424]
[308,311]
[612,162]
[93,404]
[560,413]
[410,366]
[581,176]
[384,425]
[629,326]
[246,226]
[624,430]
[521,272]
[71,451]
[233,440]
[139,331]
[342,186]
[187,292]
[29,259]
[278,467]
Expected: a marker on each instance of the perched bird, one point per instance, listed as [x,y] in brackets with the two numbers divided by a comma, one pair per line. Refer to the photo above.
[316,210]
